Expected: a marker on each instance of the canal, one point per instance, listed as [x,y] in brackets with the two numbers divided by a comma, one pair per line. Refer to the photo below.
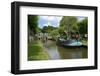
[58,52]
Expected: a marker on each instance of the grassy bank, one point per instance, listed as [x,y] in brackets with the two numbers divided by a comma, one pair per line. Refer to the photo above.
[36,51]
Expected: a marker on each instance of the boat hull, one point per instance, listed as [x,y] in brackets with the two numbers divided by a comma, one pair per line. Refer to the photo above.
[70,44]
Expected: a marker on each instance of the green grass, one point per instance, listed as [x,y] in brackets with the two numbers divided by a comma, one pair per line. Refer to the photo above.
[36,51]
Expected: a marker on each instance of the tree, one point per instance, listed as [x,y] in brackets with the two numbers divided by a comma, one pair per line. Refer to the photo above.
[61,30]
[39,30]
[83,26]
[54,34]
[69,23]
[33,23]
[75,28]
[32,27]
[44,29]
[48,29]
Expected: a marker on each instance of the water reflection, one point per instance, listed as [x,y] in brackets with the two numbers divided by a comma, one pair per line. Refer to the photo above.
[57,52]
[72,53]
[52,50]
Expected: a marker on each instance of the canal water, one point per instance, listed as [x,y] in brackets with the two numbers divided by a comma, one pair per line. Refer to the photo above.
[58,52]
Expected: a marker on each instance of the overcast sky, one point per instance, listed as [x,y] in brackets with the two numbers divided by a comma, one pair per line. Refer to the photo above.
[52,20]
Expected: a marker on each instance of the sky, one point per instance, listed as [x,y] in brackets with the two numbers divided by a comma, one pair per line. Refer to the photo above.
[52,20]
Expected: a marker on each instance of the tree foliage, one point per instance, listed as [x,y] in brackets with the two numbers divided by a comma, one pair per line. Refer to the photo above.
[33,23]
[83,26]
[54,34]
[61,30]
[48,29]
[68,22]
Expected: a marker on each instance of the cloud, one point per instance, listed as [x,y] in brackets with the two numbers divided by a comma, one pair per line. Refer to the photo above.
[80,18]
[47,24]
[49,21]
[51,18]
[59,18]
